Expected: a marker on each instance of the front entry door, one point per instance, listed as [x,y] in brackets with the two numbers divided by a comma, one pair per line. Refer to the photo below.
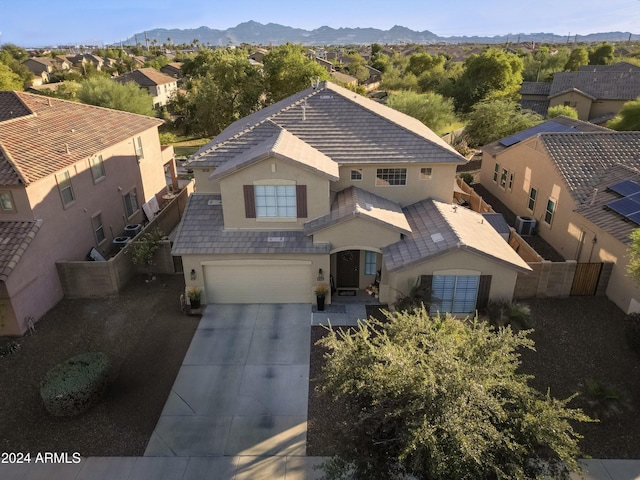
[348,263]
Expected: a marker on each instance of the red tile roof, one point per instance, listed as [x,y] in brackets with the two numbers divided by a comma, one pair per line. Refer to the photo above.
[15,238]
[41,135]
[145,77]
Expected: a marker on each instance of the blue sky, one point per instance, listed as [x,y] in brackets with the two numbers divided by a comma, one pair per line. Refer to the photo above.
[47,22]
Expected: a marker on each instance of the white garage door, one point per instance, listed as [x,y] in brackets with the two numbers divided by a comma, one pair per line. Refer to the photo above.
[258,282]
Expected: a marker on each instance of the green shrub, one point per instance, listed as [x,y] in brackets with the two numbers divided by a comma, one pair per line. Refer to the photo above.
[502,313]
[7,348]
[632,331]
[73,386]
[604,400]
[467,178]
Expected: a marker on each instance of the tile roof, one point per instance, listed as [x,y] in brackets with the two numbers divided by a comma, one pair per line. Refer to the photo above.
[539,106]
[202,232]
[145,77]
[343,125]
[616,67]
[535,88]
[354,202]
[439,228]
[15,238]
[584,158]
[594,209]
[52,134]
[270,140]
[601,85]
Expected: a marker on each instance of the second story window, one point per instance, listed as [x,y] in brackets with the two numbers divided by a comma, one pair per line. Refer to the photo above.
[275,201]
[65,187]
[356,174]
[6,202]
[97,168]
[503,178]
[391,176]
[548,214]
[138,143]
[533,193]
[425,173]
[496,169]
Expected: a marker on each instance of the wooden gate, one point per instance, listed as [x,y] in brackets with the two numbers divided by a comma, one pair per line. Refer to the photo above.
[585,280]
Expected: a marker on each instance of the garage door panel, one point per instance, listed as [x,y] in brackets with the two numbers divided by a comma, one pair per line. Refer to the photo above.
[257,283]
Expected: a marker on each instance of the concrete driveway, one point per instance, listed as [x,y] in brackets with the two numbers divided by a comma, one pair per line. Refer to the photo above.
[242,389]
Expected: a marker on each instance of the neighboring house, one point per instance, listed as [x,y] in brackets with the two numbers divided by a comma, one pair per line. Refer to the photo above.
[72,176]
[558,173]
[597,94]
[330,187]
[258,55]
[38,65]
[344,79]
[326,64]
[83,59]
[173,70]
[160,86]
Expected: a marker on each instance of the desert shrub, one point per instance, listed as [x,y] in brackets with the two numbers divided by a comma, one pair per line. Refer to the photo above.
[9,347]
[502,313]
[419,295]
[603,400]
[73,386]
[467,178]
[632,331]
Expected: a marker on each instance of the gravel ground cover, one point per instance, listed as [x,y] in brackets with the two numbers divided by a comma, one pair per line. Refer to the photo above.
[577,339]
[145,335]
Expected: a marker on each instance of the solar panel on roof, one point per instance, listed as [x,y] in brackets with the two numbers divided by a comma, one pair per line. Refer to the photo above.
[546,127]
[635,217]
[624,206]
[626,187]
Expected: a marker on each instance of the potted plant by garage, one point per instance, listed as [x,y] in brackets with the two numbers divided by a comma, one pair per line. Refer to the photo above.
[321,292]
[194,297]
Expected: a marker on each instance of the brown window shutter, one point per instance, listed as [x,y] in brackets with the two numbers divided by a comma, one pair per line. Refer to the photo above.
[483,292]
[301,201]
[249,201]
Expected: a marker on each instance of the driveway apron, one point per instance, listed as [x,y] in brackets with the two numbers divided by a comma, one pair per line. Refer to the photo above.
[243,386]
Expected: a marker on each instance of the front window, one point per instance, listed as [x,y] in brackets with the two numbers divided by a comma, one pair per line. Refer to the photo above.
[503,178]
[131,203]
[425,173]
[391,176]
[65,188]
[6,202]
[370,263]
[455,293]
[98,228]
[548,214]
[138,144]
[275,201]
[533,193]
[356,174]
[97,168]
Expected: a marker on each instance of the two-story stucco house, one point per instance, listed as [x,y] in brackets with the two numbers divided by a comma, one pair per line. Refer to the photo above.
[71,177]
[160,86]
[330,187]
[561,173]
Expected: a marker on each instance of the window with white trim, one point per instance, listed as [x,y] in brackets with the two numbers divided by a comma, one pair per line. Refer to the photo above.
[425,173]
[391,176]
[98,228]
[533,193]
[510,186]
[496,169]
[138,144]
[275,201]
[370,262]
[503,178]
[549,211]
[454,293]
[6,202]
[97,168]
[65,188]
[130,202]
[356,174]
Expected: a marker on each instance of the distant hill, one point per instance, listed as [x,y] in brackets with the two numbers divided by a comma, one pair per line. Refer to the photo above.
[256,33]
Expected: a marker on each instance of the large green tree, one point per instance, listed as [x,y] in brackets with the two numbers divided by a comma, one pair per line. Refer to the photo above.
[628,118]
[602,54]
[443,399]
[492,74]
[558,110]
[495,119]
[432,109]
[577,58]
[104,92]
[633,267]
[541,65]
[287,71]
[9,80]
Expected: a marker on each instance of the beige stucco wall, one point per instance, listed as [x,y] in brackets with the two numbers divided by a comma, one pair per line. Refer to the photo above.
[272,171]
[356,234]
[162,93]
[583,104]
[600,108]
[197,262]
[438,187]
[396,284]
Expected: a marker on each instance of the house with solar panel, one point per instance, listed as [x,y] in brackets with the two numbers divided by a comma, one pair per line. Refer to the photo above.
[577,185]
[327,186]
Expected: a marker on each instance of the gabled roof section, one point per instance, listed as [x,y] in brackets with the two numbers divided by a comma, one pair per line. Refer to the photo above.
[345,126]
[584,158]
[353,202]
[558,124]
[535,88]
[601,85]
[201,232]
[145,77]
[15,238]
[274,141]
[574,90]
[594,209]
[440,228]
[616,67]
[12,106]
[53,134]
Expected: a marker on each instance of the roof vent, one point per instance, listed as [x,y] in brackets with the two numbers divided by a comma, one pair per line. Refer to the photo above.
[214,201]
[275,239]
[437,237]
[368,206]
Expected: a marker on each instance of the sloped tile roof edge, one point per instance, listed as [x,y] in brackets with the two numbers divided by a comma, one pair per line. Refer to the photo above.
[20,250]
[573,89]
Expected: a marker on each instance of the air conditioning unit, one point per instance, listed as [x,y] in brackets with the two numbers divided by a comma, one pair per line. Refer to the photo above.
[132,230]
[525,225]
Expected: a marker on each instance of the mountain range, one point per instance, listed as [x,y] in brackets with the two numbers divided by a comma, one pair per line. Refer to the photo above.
[255,33]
